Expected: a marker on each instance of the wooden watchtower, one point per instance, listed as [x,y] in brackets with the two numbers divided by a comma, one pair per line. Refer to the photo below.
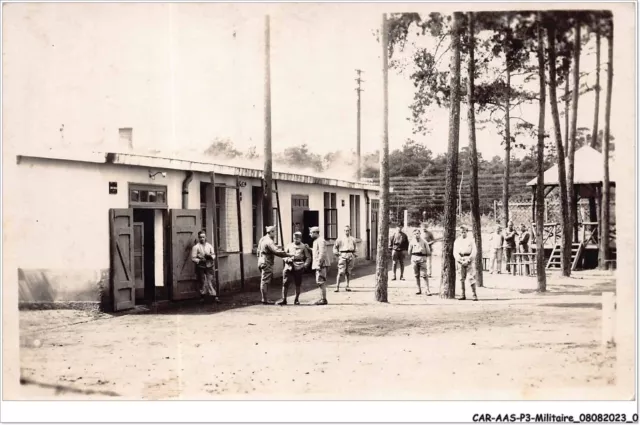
[587,183]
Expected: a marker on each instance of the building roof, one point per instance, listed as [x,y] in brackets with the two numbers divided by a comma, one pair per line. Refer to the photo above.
[203,165]
[589,169]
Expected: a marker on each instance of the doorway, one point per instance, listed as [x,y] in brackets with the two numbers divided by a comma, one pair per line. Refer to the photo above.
[144,254]
[375,209]
[299,205]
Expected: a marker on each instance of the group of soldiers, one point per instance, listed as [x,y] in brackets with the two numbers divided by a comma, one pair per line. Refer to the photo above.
[299,257]
[507,244]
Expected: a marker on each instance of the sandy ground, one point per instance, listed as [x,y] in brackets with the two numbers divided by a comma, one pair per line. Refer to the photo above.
[512,344]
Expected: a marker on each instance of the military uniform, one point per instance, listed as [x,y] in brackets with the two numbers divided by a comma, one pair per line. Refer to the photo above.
[294,268]
[267,250]
[430,240]
[320,264]
[464,251]
[203,257]
[509,244]
[523,242]
[398,244]
[419,250]
[345,250]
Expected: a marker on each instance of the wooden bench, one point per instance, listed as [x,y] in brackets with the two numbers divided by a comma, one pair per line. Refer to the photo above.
[522,260]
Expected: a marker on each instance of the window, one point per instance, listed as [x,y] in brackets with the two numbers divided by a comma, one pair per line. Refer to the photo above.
[354,206]
[221,217]
[147,196]
[330,216]
[256,205]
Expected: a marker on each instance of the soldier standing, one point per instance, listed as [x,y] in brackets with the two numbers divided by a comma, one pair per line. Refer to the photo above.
[398,244]
[497,240]
[294,267]
[320,264]
[345,249]
[509,243]
[523,243]
[266,252]
[419,250]
[203,256]
[464,251]
[430,240]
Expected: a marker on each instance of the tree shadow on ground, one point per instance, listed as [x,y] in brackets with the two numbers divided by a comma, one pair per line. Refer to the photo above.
[251,296]
[572,289]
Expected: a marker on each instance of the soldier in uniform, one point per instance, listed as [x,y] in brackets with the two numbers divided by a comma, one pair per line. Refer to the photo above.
[267,250]
[320,263]
[398,244]
[523,243]
[509,243]
[345,250]
[497,241]
[464,251]
[203,256]
[419,250]
[430,240]
[294,267]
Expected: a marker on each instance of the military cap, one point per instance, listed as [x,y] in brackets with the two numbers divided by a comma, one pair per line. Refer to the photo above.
[270,228]
[416,232]
[297,233]
[314,229]
[464,227]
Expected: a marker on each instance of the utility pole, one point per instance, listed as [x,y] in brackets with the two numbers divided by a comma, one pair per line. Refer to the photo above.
[358,153]
[267,204]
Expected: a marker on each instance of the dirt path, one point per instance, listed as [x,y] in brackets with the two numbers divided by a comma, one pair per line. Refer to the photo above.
[513,343]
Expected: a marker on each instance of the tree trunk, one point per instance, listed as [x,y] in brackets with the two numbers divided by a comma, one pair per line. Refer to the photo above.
[540,266]
[507,151]
[567,114]
[382,260]
[573,213]
[448,275]
[562,179]
[471,118]
[596,112]
[606,194]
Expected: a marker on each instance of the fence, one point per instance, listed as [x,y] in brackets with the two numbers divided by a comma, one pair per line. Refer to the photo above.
[522,212]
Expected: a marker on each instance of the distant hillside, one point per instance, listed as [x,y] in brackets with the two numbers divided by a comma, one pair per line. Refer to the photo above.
[418,194]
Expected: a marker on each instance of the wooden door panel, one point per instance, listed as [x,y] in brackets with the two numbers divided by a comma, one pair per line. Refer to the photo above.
[185,225]
[138,258]
[122,263]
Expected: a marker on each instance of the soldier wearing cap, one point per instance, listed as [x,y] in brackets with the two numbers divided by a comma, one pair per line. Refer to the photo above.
[294,267]
[267,250]
[419,250]
[320,263]
[464,251]
[345,250]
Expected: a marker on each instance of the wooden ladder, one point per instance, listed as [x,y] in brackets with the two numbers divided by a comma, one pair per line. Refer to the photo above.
[555,260]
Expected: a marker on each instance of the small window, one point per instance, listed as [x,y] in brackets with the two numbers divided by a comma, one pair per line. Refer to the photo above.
[147,196]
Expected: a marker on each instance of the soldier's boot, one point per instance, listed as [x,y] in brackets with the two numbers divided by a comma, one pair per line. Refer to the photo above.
[463,297]
[473,289]
[323,291]
[296,301]
[426,281]
[347,287]
[283,300]
[418,285]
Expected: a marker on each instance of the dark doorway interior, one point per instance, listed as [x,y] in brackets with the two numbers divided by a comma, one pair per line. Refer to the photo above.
[144,247]
[309,219]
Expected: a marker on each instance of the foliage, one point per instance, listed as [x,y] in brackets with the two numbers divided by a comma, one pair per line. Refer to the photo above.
[222,148]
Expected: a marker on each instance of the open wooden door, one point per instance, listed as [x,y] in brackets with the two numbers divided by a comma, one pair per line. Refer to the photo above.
[184,228]
[138,259]
[122,273]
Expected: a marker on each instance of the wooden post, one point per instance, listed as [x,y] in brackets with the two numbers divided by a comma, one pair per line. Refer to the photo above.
[215,240]
[267,205]
[240,233]
[406,219]
[358,165]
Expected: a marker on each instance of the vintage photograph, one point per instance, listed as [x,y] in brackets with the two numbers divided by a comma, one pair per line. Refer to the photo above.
[206,201]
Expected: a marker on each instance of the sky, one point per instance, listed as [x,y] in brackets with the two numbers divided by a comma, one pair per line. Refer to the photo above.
[184,75]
